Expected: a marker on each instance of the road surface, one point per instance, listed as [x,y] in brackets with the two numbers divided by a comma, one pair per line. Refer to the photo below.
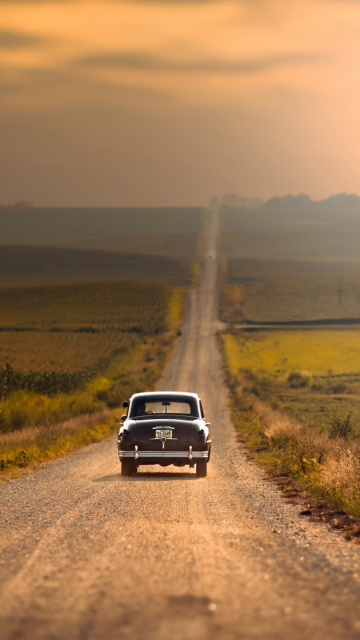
[87,554]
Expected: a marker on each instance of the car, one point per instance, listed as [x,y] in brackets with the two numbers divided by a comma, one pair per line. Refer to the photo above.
[165,428]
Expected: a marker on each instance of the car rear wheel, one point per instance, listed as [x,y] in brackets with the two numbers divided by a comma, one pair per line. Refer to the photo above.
[201,469]
[127,468]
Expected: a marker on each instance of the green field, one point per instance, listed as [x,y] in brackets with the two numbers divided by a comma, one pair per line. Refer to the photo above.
[309,374]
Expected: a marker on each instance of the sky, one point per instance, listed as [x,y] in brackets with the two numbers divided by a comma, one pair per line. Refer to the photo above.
[136,103]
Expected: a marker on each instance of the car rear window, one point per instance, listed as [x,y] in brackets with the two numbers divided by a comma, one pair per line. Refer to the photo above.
[153,406]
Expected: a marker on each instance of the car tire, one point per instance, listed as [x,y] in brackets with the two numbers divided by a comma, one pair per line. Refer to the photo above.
[127,468]
[201,469]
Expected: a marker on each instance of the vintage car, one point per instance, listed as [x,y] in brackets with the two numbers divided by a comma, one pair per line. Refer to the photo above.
[164,427]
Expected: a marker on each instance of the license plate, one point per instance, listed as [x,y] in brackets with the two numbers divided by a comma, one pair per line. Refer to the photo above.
[163,433]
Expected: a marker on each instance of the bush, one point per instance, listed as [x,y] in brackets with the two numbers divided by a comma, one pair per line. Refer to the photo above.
[341,427]
[339,387]
[297,381]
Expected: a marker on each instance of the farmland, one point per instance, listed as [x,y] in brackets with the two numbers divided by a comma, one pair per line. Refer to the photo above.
[290,234]
[68,351]
[310,374]
[305,261]
[296,404]
[28,265]
[61,227]
[49,246]
[90,305]
[118,305]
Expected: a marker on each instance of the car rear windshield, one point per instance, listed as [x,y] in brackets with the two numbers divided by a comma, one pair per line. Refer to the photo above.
[142,407]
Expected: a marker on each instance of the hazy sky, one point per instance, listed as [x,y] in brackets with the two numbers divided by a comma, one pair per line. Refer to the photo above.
[106,102]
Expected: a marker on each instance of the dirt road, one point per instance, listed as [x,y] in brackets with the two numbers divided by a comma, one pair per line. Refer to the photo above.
[86,554]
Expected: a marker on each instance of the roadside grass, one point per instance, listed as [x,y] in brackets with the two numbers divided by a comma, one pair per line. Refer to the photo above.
[33,445]
[231,299]
[323,455]
[38,426]
[43,428]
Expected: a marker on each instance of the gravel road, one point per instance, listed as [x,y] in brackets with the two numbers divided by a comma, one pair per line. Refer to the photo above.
[87,554]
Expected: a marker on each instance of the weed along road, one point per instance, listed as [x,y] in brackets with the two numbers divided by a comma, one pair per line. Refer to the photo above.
[87,554]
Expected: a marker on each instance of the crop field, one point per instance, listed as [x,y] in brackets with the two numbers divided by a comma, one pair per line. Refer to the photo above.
[27,265]
[177,246]
[310,374]
[303,299]
[49,246]
[243,271]
[49,226]
[45,350]
[271,234]
[118,305]
[317,299]
[71,350]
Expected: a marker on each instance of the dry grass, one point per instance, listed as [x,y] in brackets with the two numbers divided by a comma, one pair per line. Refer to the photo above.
[26,437]
[31,446]
[328,466]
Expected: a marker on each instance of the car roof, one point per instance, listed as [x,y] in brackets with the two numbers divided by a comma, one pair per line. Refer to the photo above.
[165,394]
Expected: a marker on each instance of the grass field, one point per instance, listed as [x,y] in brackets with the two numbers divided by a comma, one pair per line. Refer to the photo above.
[278,353]
[310,374]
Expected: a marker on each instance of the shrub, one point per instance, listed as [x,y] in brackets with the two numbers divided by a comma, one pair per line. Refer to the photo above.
[341,427]
[297,381]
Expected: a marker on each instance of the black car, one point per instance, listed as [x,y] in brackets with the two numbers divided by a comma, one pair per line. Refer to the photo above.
[164,427]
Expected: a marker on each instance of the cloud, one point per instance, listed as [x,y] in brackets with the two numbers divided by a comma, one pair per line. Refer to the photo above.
[144,62]
[18,40]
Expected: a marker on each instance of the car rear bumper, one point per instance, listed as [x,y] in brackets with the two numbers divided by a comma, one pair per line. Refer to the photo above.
[161,455]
